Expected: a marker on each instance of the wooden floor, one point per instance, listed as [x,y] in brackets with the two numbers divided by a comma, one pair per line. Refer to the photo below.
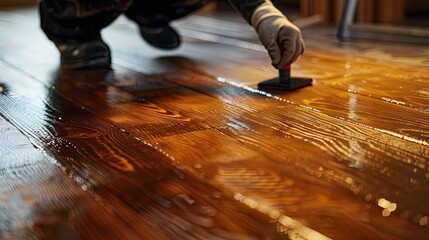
[181,145]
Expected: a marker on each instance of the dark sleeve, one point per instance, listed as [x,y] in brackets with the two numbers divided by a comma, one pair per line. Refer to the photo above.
[246,7]
[72,9]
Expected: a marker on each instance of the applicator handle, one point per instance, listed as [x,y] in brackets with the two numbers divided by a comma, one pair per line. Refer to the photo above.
[284,74]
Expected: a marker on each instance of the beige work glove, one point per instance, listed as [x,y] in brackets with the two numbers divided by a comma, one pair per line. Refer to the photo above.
[273,29]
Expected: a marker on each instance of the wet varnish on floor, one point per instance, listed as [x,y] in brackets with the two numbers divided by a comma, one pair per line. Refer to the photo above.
[181,145]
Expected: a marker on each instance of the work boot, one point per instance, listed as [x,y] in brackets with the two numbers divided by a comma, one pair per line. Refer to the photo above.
[164,37]
[85,55]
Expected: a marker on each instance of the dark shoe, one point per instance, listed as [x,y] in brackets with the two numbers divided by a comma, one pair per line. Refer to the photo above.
[85,55]
[164,37]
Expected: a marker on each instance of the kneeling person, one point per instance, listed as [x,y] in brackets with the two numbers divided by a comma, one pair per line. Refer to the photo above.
[74,26]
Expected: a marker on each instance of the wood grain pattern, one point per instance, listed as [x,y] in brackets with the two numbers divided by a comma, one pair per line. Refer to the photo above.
[292,187]
[123,172]
[340,75]
[39,198]
[348,99]
[156,140]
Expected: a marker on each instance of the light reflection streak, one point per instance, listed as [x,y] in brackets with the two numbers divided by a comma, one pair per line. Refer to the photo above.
[260,48]
[41,131]
[260,92]
[224,40]
[394,101]
[356,151]
[254,90]
[294,229]
[356,190]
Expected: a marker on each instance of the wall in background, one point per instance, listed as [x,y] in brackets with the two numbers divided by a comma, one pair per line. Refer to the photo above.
[369,11]
[15,3]
[417,6]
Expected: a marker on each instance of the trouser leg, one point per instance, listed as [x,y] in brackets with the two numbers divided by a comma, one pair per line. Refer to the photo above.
[74,26]
[66,24]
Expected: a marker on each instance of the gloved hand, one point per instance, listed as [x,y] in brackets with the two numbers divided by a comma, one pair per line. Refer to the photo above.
[273,29]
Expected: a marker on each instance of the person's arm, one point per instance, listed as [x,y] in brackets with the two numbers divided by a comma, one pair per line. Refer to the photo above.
[246,7]
[274,29]
[72,9]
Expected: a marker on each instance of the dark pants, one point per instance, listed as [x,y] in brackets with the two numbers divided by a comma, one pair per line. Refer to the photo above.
[82,20]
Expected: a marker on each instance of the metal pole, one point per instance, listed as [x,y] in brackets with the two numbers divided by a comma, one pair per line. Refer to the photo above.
[347,17]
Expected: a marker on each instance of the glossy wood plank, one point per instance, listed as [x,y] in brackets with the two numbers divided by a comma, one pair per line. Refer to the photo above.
[157,98]
[216,88]
[40,198]
[341,177]
[344,162]
[359,67]
[66,82]
[262,70]
[125,174]
[252,130]
[348,105]
[130,98]
[153,112]
[224,95]
[193,66]
[352,104]
[143,117]
[257,164]
[288,183]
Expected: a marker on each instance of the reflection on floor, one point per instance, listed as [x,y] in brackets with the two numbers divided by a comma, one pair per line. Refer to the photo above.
[181,145]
